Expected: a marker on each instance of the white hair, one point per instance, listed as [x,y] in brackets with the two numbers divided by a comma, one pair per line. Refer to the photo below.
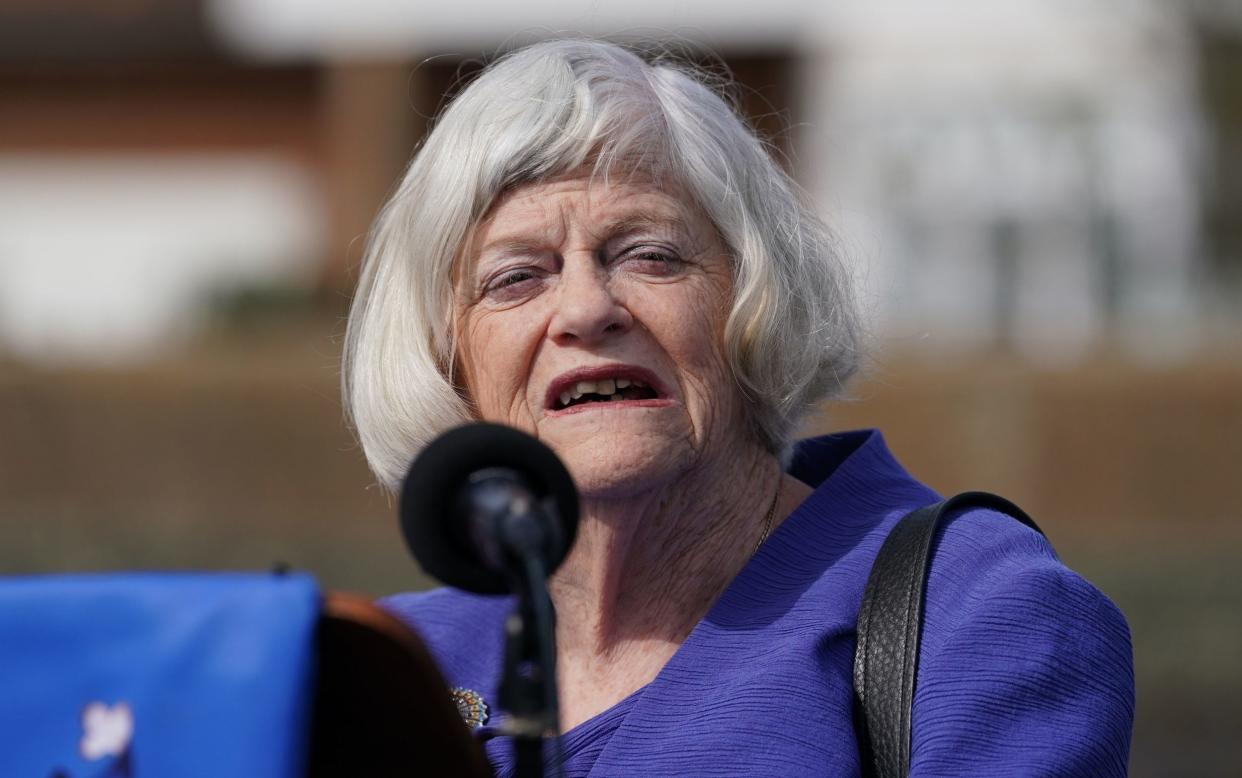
[791,338]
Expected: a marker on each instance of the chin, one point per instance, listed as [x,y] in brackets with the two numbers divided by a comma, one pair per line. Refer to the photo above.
[608,467]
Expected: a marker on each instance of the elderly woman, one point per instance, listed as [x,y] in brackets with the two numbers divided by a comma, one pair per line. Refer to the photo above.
[594,249]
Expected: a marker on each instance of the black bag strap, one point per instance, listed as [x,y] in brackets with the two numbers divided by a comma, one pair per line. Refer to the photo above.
[890,622]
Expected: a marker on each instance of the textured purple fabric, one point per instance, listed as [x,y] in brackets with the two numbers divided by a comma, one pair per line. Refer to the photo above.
[1025,668]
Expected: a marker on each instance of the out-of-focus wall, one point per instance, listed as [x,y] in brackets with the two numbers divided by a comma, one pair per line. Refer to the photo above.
[1021,175]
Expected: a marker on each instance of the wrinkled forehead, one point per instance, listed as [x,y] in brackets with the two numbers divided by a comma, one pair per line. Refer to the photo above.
[592,198]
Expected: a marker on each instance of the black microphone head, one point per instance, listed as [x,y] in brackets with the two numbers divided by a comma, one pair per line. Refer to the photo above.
[440,473]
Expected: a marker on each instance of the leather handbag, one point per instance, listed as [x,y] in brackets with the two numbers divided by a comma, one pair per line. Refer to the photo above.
[890,624]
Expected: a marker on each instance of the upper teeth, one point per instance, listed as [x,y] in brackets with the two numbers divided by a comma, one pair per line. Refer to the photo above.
[606,386]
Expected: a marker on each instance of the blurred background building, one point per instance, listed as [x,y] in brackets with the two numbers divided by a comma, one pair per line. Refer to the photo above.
[1042,201]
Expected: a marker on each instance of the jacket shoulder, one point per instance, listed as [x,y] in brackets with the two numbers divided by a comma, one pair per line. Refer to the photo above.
[1024,664]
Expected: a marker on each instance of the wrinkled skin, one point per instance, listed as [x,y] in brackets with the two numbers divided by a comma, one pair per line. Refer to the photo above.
[676,490]
[567,274]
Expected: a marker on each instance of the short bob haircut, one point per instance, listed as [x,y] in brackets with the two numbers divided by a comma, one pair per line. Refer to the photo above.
[548,110]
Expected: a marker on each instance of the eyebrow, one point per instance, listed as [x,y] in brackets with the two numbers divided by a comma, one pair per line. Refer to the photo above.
[505,246]
[629,222]
[638,219]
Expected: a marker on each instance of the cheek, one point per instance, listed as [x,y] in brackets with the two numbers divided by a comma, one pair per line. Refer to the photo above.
[692,327]
[711,392]
[691,331]
[496,354]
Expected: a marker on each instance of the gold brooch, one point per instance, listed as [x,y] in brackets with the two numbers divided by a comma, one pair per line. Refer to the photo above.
[471,706]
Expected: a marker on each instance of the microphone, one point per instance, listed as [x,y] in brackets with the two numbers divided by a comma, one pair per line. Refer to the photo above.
[492,510]
[481,502]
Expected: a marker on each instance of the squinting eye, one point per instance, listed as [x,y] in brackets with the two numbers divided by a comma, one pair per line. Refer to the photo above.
[513,278]
[654,256]
[652,260]
[512,284]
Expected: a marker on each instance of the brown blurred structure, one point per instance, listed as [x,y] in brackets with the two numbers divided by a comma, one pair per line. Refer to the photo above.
[155,82]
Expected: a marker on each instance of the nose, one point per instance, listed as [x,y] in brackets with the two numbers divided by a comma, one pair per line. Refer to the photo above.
[587,312]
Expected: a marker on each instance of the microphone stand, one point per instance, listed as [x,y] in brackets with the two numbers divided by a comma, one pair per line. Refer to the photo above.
[528,681]
[510,514]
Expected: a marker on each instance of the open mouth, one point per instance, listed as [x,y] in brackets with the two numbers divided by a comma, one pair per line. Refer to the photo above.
[603,391]
[605,384]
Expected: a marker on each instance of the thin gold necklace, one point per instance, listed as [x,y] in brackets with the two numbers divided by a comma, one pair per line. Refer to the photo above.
[767,522]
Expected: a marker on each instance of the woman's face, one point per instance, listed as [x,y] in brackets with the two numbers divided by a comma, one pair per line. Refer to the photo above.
[591,316]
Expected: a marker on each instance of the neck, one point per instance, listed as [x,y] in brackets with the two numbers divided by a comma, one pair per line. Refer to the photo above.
[647,567]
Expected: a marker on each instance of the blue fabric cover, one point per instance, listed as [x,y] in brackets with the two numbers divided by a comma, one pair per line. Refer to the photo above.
[1025,668]
[138,675]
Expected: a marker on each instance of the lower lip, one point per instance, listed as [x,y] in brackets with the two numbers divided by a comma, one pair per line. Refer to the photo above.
[611,405]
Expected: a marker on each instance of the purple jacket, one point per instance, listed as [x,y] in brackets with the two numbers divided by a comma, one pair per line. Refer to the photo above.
[1024,668]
